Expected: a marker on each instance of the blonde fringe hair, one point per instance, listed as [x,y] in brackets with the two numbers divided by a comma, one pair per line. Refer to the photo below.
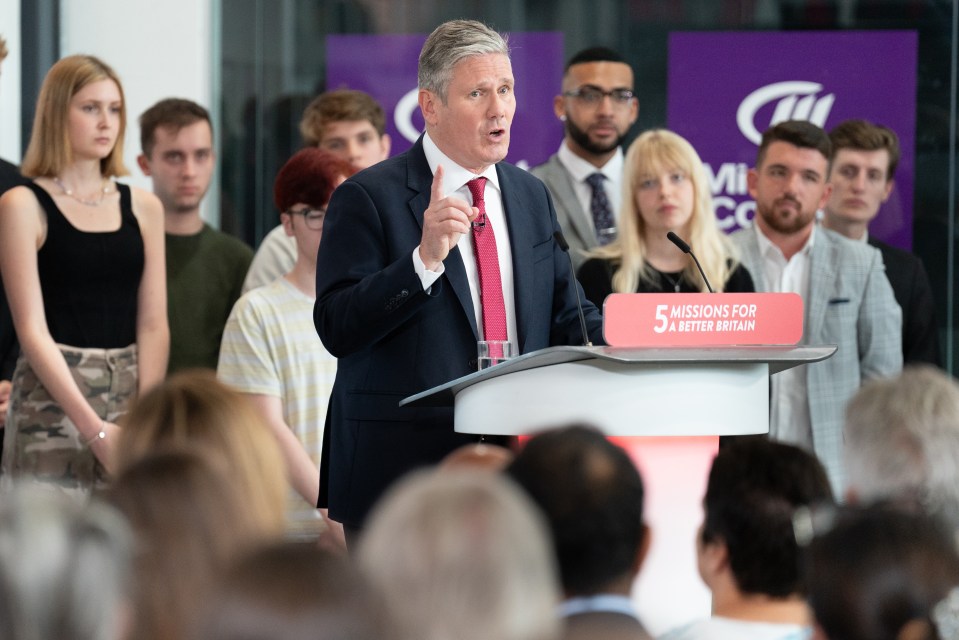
[193,410]
[49,150]
[652,153]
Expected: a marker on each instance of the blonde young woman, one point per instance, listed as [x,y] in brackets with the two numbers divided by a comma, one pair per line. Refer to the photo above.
[664,189]
[83,265]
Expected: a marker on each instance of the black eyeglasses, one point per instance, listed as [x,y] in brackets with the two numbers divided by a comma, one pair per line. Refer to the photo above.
[313,217]
[594,95]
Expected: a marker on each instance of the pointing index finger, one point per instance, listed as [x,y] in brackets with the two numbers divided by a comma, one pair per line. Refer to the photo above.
[436,190]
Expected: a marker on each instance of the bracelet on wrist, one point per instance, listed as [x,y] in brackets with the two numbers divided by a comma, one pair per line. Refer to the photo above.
[99,436]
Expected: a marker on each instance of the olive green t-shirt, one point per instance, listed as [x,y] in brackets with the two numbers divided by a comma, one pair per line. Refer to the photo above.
[205,273]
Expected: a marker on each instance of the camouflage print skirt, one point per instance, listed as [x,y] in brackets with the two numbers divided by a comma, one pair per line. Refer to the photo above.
[41,443]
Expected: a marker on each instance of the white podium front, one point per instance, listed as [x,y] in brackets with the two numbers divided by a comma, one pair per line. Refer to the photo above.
[674,391]
[679,399]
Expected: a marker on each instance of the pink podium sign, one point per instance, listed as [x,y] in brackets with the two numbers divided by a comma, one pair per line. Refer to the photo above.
[702,319]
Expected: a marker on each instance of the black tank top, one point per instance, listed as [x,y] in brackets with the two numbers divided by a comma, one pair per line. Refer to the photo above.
[90,280]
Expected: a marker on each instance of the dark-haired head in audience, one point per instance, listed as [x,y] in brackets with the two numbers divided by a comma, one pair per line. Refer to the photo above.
[902,442]
[592,496]
[461,554]
[882,574]
[747,553]
[64,568]
[191,520]
[292,591]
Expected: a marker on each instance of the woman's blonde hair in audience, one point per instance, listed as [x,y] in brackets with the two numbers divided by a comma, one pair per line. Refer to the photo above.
[191,521]
[49,150]
[461,554]
[651,154]
[192,410]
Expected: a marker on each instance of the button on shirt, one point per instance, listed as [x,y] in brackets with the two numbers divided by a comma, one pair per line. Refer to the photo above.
[580,169]
[789,418]
[455,178]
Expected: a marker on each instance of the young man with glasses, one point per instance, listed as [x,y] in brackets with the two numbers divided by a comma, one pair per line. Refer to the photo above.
[205,267]
[270,349]
[597,107]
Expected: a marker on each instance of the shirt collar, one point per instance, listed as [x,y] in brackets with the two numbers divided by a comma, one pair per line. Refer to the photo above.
[603,602]
[581,169]
[455,177]
[766,245]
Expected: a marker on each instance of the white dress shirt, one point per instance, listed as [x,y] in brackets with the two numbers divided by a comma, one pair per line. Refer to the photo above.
[455,178]
[789,418]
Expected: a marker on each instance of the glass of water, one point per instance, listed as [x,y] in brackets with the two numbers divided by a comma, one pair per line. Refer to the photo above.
[491,352]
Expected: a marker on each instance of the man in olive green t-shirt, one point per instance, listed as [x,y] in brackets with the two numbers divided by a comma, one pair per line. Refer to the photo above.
[205,267]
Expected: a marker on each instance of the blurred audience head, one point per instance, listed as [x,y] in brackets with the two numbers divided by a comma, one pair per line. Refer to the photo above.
[592,496]
[192,410]
[292,591]
[477,456]
[902,441]
[461,554]
[190,520]
[754,487]
[880,574]
[64,568]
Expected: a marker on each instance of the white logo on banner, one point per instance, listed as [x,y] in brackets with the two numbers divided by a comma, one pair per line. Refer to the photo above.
[403,115]
[797,101]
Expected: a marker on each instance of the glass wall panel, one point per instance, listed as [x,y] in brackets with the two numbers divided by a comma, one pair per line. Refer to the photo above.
[273,55]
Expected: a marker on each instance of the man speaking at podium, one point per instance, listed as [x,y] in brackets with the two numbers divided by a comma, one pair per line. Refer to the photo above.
[425,254]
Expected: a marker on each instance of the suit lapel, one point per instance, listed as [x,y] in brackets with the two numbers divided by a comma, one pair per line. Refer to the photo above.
[561,185]
[822,267]
[420,180]
[753,259]
[517,208]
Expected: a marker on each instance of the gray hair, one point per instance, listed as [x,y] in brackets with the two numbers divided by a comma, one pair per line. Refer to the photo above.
[902,441]
[64,568]
[476,560]
[447,45]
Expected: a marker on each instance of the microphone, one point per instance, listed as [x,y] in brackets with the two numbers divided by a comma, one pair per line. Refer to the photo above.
[679,242]
[561,241]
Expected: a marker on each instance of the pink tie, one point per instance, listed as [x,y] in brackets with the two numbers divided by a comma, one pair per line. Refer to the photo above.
[491,287]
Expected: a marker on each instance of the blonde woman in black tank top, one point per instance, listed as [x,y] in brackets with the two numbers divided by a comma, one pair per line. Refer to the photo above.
[83,264]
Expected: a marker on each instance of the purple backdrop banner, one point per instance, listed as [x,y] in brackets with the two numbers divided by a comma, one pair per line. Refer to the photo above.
[725,89]
[385,67]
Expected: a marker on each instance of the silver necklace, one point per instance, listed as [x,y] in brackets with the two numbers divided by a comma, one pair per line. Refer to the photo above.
[105,190]
[675,282]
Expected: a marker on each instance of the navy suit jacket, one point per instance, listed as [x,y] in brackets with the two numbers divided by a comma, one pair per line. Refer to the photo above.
[910,285]
[393,339]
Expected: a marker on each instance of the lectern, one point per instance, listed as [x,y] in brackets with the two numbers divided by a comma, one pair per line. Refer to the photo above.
[680,399]
[665,391]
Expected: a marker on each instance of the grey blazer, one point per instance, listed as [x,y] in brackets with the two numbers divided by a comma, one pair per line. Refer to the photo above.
[850,304]
[577,224]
